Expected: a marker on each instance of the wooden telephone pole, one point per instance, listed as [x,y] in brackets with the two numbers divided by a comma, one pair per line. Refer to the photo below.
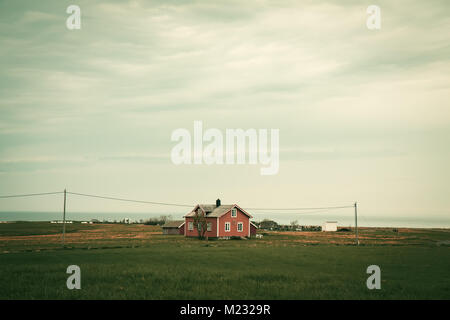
[64,220]
[356,224]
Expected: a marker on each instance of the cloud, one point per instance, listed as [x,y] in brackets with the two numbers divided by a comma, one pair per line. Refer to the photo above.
[108,96]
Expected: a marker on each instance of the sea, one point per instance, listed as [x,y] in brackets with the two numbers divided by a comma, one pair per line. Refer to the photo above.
[281,218]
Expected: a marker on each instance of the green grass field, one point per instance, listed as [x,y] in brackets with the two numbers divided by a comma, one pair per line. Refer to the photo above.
[281,266]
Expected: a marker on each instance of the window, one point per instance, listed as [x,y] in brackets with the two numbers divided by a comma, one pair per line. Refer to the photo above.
[227,226]
[234,212]
[209,226]
[240,226]
[191,226]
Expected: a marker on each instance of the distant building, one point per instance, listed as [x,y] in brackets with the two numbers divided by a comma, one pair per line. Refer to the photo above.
[173,227]
[329,226]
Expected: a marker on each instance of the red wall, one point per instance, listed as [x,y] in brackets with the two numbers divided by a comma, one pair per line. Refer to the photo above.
[194,232]
[241,217]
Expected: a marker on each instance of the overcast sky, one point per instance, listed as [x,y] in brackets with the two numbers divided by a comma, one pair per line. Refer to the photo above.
[363,114]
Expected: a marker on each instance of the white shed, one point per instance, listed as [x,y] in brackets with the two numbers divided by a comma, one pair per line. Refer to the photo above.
[329,226]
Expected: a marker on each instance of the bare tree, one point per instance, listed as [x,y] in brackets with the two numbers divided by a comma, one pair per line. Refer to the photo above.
[164,218]
[294,224]
[200,223]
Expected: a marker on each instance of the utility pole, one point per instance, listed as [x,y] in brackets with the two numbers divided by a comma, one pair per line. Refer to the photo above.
[356,224]
[64,220]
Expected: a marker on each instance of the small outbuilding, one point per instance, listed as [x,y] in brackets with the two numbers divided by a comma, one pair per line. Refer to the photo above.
[329,226]
[253,229]
[173,227]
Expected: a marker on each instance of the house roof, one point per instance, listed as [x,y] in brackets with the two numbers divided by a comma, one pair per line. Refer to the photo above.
[173,224]
[213,211]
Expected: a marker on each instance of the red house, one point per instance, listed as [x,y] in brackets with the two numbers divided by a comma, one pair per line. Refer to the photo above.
[223,221]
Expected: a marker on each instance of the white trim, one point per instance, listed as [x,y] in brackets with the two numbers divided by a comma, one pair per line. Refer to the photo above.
[235,211]
[191,214]
[190,223]
[217,227]
[237,227]
[208,226]
[242,210]
[229,226]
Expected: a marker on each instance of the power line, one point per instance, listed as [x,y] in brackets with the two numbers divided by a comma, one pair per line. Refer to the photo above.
[30,194]
[300,213]
[130,200]
[320,208]
[190,206]
[316,209]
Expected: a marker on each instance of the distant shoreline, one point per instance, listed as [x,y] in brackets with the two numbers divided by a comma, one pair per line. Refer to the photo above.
[71,221]
[344,220]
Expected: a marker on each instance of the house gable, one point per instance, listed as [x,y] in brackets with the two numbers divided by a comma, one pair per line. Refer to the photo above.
[238,226]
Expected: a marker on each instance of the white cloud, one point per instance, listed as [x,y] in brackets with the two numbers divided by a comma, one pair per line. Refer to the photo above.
[342,96]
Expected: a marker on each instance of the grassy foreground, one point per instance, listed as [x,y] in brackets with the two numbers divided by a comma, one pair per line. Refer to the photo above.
[173,267]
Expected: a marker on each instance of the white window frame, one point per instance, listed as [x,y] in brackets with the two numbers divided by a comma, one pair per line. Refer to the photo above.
[234,210]
[190,226]
[242,227]
[209,226]
[227,226]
